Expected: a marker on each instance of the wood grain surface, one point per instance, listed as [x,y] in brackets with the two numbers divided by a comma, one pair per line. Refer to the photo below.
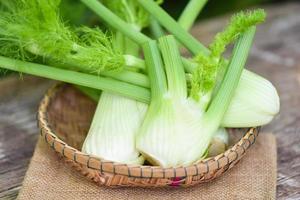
[275,55]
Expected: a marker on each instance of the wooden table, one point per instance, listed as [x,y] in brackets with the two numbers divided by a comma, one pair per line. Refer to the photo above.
[276,56]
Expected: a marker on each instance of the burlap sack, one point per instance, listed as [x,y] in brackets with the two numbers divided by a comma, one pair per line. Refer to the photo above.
[48,177]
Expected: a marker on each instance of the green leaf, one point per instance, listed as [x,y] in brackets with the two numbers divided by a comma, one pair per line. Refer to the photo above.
[205,75]
[31,28]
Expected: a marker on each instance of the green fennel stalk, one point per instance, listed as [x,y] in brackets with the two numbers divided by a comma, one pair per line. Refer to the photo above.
[155,28]
[91,93]
[190,13]
[77,78]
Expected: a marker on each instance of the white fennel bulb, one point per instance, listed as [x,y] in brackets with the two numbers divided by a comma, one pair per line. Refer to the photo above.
[114,127]
[178,129]
[255,102]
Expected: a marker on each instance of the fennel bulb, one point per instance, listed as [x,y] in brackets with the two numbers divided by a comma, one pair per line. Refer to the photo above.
[113,130]
[176,130]
[255,102]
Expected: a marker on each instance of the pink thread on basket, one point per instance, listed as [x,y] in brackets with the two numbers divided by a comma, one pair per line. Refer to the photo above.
[176,182]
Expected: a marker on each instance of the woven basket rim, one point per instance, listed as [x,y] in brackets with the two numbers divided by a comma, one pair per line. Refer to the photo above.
[223,160]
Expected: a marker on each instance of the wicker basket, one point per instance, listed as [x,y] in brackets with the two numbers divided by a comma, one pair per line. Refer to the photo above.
[64,118]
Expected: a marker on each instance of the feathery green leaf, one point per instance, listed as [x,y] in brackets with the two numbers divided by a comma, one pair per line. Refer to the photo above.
[205,75]
[31,28]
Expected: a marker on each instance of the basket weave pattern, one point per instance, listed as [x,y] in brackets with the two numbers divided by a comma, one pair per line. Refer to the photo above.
[64,117]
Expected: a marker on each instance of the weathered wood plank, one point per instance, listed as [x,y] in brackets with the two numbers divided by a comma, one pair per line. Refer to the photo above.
[18,132]
[276,56]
